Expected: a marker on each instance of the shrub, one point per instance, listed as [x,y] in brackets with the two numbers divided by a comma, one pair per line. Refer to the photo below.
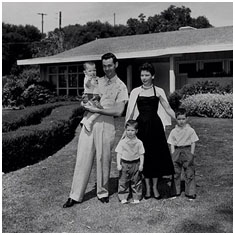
[209,105]
[197,88]
[28,116]
[36,94]
[30,144]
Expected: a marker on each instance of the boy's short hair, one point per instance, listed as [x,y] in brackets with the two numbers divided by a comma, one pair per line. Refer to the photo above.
[132,123]
[109,56]
[88,62]
[181,111]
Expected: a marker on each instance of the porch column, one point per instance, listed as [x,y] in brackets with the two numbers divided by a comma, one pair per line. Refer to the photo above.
[172,75]
[129,77]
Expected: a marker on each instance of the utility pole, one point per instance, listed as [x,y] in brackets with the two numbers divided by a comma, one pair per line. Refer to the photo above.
[114,19]
[60,20]
[42,14]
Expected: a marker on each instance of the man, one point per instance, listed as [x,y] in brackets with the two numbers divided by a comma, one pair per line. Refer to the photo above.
[99,141]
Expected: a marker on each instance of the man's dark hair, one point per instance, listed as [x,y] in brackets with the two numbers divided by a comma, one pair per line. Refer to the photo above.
[132,123]
[181,111]
[109,56]
[147,67]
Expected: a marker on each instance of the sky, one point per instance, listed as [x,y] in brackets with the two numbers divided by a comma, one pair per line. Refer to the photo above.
[218,13]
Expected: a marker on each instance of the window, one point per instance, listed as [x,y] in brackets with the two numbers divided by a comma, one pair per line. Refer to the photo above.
[213,67]
[231,68]
[208,68]
[189,68]
[67,79]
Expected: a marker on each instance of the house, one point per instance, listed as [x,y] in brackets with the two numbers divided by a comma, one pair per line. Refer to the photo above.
[180,57]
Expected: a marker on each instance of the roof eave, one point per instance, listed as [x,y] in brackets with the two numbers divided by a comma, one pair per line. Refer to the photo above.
[130,55]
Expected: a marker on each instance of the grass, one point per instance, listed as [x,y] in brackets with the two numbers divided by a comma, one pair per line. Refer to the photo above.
[32,197]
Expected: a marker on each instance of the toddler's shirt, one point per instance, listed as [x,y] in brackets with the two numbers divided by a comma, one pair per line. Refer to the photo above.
[93,85]
[182,136]
[130,149]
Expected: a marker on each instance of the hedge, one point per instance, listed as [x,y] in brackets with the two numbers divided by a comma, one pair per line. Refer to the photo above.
[28,116]
[200,87]
[209,105]
[30,144]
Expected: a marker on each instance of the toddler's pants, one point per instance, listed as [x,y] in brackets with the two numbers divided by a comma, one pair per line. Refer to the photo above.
[184,159]
[99,143]
[130,178]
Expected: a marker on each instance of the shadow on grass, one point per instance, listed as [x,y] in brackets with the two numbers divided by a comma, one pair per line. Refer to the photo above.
[113,188]
[189,226]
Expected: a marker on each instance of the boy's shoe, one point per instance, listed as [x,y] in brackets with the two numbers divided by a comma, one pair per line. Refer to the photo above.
[135,201]
[191,197]
[124,201]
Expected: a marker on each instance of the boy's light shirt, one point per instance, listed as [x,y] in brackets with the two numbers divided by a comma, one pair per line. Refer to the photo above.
[94,83]
[111,91]
[182,136]
[130,149]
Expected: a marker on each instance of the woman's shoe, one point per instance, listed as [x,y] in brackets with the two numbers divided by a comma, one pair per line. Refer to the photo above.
[158,197]
[147,197]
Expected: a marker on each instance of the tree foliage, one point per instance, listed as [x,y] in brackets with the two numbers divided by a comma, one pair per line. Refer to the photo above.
[16,44]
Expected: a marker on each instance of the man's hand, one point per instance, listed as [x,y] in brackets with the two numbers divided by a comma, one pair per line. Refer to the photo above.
[92,109]
[140,167]
[119,167]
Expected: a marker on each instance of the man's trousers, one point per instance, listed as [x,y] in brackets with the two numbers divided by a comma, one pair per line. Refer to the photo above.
[99,143]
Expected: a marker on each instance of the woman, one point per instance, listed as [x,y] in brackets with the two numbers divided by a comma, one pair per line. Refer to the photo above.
[149,106]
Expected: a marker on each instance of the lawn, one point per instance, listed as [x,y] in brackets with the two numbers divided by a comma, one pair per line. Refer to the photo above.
[32,197]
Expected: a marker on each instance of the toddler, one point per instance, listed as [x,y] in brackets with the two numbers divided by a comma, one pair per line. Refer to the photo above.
[182,140]
[130,160]
[89,97]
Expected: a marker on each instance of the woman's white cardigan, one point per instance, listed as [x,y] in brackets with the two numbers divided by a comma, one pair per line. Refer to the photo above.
[133,112]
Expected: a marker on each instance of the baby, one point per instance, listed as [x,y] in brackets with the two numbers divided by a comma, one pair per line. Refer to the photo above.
[89,97]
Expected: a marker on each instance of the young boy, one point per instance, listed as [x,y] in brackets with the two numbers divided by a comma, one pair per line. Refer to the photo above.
[130,160]
[182,140]
[89,97]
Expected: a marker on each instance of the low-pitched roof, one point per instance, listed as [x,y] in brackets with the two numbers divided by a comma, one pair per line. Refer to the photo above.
[146,45]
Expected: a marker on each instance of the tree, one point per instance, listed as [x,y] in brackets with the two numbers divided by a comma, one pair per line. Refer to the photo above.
[16,44]
[173,18]
[51,45]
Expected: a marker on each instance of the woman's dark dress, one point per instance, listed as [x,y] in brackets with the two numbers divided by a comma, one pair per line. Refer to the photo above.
[157,157]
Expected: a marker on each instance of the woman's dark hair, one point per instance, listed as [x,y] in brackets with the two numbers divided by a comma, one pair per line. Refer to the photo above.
[109,56]
[147,67]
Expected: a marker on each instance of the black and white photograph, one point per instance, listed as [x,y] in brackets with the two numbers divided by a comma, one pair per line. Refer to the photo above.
[117,117]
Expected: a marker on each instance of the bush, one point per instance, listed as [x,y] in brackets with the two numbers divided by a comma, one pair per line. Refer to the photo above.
[28,116]
[30,144]
[197,88]
[209,105]
[36,94]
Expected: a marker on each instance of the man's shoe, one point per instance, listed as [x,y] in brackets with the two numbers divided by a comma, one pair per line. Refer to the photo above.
[70,202]
[104,199]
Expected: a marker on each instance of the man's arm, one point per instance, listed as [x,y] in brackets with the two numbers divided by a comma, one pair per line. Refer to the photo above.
[116,110]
